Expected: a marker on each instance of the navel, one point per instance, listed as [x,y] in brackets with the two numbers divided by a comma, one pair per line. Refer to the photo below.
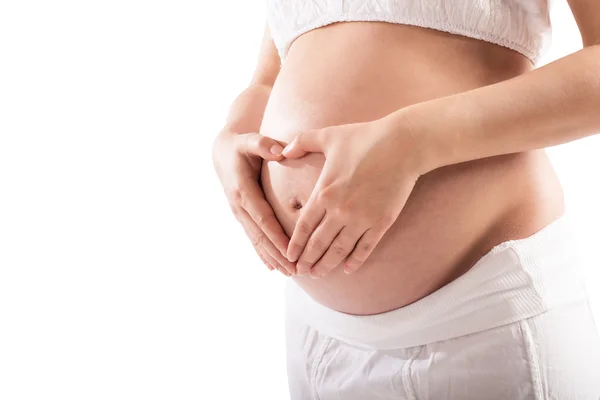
[295,203]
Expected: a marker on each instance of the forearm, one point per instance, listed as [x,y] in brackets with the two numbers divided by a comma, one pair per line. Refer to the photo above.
[246,112]
[554,104]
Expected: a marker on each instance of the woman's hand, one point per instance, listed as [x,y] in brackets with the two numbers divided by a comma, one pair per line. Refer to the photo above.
[370,170]
[238,159]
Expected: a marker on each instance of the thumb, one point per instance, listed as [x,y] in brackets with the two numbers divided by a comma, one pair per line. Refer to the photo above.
[306,142]
[265,147]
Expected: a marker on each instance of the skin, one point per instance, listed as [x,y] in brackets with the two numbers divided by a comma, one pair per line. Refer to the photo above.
[238,152]
[436,211]
[454,214]
[555,104]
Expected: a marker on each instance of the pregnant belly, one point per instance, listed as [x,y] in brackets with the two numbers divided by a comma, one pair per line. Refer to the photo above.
[362,71]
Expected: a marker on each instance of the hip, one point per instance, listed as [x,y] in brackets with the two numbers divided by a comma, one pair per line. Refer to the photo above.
[517,325]
[534,358]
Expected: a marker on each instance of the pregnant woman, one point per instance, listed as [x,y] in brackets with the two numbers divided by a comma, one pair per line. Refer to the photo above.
[388,155]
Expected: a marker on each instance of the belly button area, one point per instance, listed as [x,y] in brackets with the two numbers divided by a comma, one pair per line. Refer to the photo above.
[295,203]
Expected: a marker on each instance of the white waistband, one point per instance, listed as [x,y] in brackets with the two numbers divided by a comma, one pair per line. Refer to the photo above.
[515,280]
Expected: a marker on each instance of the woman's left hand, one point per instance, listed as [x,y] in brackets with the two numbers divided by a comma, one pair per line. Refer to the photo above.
[369,172]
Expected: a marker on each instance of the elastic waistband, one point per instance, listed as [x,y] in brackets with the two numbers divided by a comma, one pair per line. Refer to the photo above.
[515,280]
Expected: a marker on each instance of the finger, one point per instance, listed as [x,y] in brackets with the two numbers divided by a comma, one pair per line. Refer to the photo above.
[259,250]
[306,142]
[338,252]
[271,263]
[264,260]
[269,260]
[318,244]
[242,218]
[259,239]
[254,203]
[363,249]
[309,220]
[262,146]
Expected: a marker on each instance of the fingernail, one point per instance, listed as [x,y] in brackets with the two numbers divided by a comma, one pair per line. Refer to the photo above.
[276,149]
[315,275]
[286,150]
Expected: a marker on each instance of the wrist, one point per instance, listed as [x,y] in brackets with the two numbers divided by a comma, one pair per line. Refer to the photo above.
[421,136]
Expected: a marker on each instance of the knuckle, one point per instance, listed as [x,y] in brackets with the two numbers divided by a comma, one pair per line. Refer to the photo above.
[325,196]
[344,213]
[339,250]
[235,195]
[387,220]
[318,244]
[365,248]
[263,220]
[304,228]
[258,240]
[260,221]
[263,142]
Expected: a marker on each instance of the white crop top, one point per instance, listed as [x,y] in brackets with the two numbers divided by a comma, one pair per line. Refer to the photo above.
[521,25]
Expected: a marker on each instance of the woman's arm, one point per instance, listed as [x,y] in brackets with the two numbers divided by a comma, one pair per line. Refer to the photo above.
[238,152]
[554,104]
[246,112]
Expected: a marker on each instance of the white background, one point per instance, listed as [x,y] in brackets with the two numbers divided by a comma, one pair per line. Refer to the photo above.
[122,273]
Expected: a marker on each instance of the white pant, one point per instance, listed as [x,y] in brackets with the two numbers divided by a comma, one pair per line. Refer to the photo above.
[516,326]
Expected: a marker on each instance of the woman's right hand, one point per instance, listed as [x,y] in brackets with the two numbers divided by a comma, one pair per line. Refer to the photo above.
[237,158]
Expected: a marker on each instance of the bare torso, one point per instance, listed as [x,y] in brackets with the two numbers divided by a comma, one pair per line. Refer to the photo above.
[352,72]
